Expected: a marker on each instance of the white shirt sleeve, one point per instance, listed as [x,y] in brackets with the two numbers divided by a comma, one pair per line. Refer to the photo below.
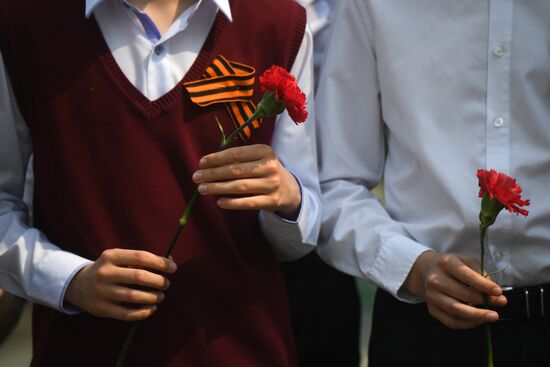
[358,235]
[30,266]
[295,147]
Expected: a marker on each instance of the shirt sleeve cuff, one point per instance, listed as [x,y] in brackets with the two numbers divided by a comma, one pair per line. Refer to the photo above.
[52,277]
[292,239]
[393,264]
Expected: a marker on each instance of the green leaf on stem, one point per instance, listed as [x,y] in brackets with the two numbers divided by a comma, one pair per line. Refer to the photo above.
[221,130]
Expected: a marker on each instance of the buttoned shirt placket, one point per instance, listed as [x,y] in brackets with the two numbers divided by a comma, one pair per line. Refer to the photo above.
[498,117]
[159,44]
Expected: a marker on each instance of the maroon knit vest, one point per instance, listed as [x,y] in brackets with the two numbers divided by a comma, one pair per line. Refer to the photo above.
[113,169]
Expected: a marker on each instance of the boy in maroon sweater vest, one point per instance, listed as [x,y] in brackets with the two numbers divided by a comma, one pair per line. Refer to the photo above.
[97,94]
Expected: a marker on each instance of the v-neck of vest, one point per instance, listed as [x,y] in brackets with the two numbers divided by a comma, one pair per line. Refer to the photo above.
[152,109]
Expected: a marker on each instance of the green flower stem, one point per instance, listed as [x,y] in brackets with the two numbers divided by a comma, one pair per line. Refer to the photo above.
[127,343]
[226,141]
[488,339]
[259,113]
[133,330]
[490,362]
[482,235]
[182,222]
[181,225]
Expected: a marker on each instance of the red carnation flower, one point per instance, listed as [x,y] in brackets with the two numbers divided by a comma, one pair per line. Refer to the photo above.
[498,191]
[503,188]
[286,90]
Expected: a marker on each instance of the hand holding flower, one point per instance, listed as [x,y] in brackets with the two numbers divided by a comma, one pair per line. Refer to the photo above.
[253,174]
[106,287]
[497,191]
[451,285]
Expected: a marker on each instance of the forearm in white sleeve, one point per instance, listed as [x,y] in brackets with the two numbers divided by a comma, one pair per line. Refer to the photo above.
[30,266]
[358,236]
[295,147]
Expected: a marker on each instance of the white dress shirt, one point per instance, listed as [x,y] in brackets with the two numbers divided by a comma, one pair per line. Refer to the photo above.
[34,268]
[455,86]
[319,17]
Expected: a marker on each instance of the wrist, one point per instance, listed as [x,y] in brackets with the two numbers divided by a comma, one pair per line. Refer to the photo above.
[290,210]
[73,294]
[415,282]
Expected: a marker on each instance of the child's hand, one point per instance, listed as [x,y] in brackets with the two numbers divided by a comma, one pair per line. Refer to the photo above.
[254,174]
[119,278]
[451,285]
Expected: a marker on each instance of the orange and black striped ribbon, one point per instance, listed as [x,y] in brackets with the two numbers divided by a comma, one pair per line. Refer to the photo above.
[230,83]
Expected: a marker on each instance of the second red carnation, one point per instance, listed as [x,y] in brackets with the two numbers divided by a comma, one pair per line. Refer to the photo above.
[503,188]
[285,87]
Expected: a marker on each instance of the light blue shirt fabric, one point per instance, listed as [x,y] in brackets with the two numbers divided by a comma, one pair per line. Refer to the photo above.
[455,86]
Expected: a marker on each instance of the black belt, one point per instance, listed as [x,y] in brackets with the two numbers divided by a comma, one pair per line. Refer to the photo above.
[525,303]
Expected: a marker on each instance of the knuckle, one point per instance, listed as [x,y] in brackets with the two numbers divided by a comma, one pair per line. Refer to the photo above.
[242,186]
[276,199]
[131,295]
[445,260]
[107,255]
[138,276]
[432,280]
[140,257]
[275,182]
[271,166]
[235,154]
[235,170]
[103,273]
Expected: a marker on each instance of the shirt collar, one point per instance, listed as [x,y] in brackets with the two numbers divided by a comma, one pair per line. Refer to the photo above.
[223,5]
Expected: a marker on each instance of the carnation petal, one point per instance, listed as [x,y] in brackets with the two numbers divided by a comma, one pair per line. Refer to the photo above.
[284,85]
[502,188]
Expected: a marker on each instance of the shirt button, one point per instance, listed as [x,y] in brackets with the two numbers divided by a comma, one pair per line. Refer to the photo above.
[498,121]
[498,255]
[499,51]
[159,50]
